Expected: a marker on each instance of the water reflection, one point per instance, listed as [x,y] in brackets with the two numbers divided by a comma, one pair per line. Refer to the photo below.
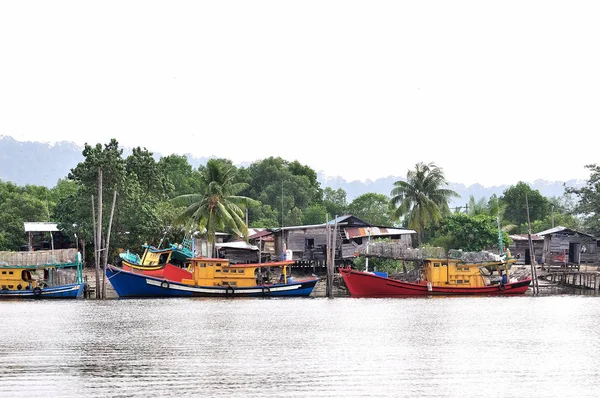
[478,346]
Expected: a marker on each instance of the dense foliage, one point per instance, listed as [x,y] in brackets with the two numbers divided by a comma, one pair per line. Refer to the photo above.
[166,198]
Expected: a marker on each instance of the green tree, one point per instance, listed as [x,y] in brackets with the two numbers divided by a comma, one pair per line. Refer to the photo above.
[146,169]
[422,198]
[373,208]
[315,214]
[469,233]
[588,205]
[477,207]
[219,207]
[288,188]
[335,202]
[181,175]
[19,205]
[515,211]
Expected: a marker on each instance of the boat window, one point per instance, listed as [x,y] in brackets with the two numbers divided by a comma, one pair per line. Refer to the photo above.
[240,271]
[202,265]
[210,264]
[218,264]
[3,272]
[467,281]
[436,264]
[217,270]
[225,271]
[458,281]
[10,272]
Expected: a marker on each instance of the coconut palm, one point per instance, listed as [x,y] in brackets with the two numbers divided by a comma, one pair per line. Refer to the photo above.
[477,207]
[218,208]
[422,198]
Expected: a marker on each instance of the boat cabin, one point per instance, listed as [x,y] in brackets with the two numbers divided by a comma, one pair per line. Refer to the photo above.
[155,257]
[444,272]
[16,279]
[219,272]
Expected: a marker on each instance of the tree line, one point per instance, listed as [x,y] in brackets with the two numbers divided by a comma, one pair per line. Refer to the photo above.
[165,199]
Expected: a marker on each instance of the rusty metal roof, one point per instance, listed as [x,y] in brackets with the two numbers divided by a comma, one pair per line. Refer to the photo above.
[357,232]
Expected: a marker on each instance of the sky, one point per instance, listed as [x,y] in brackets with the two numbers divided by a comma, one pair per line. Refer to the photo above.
[492,92]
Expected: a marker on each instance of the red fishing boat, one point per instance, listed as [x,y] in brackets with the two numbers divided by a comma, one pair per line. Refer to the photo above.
[440,277]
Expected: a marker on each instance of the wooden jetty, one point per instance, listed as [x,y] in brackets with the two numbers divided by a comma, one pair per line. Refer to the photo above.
[581,277]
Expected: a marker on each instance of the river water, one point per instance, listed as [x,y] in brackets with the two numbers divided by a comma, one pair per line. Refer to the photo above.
[545,346]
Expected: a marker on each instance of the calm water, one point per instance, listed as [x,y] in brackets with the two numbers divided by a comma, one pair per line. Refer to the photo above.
[455,347]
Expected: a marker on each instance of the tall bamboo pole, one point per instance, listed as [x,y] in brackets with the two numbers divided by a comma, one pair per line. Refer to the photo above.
[328,254]
[112,212]
[536,287]
[99,232]
[94,231]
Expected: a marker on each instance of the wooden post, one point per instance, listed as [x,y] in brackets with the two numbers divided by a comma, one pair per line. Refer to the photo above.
[327,255]
[94,230]
[99,232]
[331,268]
[112,212]
[536,287]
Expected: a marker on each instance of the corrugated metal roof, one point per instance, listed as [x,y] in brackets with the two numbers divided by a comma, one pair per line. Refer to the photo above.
[237,245]
[521,237]
[339,220]
[40,226]
[356,232]
[258,234]
[562,229]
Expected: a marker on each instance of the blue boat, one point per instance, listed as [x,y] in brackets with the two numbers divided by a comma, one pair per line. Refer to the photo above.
[213,277]
[74,290]
[19,278]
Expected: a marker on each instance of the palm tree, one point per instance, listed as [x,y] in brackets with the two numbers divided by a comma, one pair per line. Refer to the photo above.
[477,207]
[218,208]
[421,197]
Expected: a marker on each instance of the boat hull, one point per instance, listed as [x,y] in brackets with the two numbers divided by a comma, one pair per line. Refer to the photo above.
[130,284]
[71,291]
[362,284]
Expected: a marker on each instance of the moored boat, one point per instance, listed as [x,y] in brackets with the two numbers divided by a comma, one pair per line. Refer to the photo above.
[158,263]
[18,279]
[213,277]
[442,277]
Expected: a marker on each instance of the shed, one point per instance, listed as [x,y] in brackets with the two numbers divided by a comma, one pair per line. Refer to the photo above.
[567,246]
[308,242]
[520,247]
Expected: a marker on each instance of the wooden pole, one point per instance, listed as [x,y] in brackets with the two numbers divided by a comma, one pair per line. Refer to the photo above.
[94,231]
[331,268]
[328,255]
[99,232]
[536,287]
[112,212]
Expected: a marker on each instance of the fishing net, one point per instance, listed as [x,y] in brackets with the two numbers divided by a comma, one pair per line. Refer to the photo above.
[40,257]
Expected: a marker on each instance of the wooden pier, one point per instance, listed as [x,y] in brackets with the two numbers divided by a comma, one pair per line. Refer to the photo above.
[580,278]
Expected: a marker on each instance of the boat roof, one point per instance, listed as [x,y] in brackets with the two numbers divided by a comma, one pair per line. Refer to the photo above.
[252,265]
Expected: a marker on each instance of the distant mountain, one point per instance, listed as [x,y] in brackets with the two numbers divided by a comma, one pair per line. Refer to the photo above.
[39,163]
[385,185]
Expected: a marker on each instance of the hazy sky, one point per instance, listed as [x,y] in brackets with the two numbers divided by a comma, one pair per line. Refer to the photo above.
[493,92]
